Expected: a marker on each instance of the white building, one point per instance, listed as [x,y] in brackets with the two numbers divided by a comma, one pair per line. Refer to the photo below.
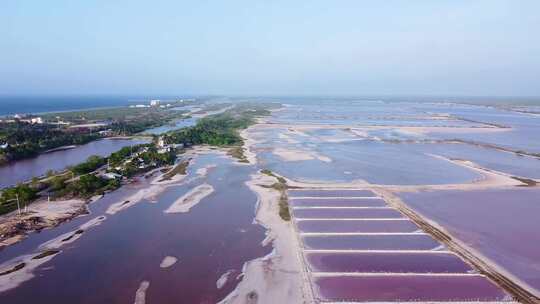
[112,175]
[36,120]
[154,102]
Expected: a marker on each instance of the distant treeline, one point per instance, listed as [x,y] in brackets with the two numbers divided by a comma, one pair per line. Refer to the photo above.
[26,140]
[220,129]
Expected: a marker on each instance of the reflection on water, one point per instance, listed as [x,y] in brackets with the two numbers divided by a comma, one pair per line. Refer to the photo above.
[175,125]
[216,236]
[24,170]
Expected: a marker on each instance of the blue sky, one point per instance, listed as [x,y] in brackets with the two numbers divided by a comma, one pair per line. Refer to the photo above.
[459,47]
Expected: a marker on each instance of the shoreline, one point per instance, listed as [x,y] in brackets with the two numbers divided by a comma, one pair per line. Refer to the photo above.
[279,276]
[41,215]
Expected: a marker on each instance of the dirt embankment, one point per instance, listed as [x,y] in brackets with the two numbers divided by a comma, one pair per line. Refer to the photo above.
[40,215]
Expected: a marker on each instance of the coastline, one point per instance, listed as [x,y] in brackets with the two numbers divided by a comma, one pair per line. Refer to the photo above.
[40,215]
[277,277]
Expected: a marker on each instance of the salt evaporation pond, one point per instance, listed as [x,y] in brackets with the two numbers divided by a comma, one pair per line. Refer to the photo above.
[337,202]
[374,162]
[524,166]
[370,242]
[24,170]
[330,193]
[356,226]
[128,247]
[386,262]
[346,213]
[523,136]
[385,288]
[502,225]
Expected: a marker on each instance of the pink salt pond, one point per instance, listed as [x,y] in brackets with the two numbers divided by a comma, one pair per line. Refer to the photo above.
[346,213]
[358,226]
[337,202]
[387,262]
[408,288]
[331,193]
[370,242]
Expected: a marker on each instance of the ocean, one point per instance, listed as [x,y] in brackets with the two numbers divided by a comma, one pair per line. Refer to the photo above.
[10,105]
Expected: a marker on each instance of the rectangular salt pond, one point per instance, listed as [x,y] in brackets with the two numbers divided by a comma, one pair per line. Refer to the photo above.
[370,242]
[346,213]
[502,224]
[408,288]
[380,262]
[329,226]
[331,193]
[337,202]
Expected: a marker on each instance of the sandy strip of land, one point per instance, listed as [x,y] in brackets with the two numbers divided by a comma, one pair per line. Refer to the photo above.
[288,139]
[168,261]
[140,294]
[189,200]
[48,251]
[301,128]
[488,179]
[278,277]
[223,279]
[40,214]
[299,155]
[292,154]
[249,143]
[202,172]
[72,236]
[15,278]
[148,193]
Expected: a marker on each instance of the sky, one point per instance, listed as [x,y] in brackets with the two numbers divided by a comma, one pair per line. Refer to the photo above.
[420,47]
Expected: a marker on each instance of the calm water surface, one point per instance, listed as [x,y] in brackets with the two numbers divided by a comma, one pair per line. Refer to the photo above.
[501,224]
[216,236]
[24,170]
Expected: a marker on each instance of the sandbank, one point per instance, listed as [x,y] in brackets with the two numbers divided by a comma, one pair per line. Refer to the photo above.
[189,200]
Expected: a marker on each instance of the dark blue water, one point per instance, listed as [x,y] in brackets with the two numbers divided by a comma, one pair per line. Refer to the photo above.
[39,104]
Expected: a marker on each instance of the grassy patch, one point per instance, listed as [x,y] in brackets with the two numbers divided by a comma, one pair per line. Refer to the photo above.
[281,186]
[17,267]
[270,173]
[284,212]
[45,254]
[181,168]
[238,153]
[527,181]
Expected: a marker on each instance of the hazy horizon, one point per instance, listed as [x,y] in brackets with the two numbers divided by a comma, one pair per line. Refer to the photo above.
[255,48]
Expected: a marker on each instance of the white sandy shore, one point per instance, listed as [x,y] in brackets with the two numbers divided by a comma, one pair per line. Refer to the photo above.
[278,277]
[489,179]
[50,213]
[168,261]
[299,155]
[189,200]
[148,193]
[202,172]
[72,236]
[249,143]
[140,294]
[301,128]
[288,139]
[223,279]
[14,279]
